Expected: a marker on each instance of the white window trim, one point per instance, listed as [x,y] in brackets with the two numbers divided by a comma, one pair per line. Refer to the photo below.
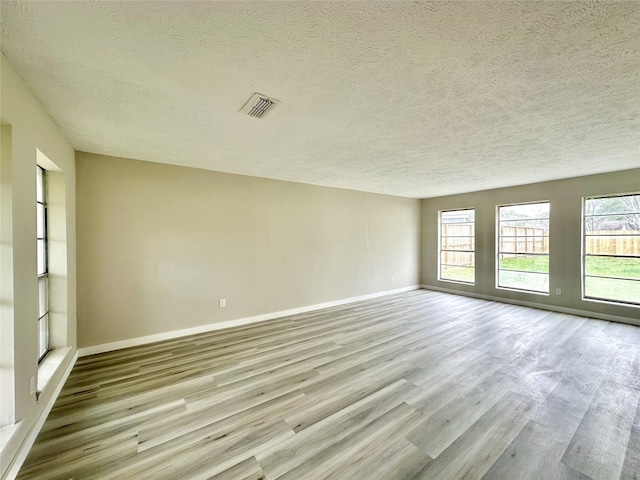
[440,250]
[584,255]
[498,252]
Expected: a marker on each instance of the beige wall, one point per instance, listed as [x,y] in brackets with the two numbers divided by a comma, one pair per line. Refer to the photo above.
[27,128]
[159,245]
[565,238]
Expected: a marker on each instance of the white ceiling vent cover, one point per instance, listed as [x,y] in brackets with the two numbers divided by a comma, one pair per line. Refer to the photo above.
[258,105]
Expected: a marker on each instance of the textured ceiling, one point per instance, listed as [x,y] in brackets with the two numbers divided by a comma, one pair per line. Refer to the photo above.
[412,99]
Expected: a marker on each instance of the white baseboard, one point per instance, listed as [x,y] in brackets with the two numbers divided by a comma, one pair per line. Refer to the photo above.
[133,342]
[21,455]
[542,306]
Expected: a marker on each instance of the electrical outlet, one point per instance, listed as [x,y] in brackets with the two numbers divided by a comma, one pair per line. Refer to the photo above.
[32,385]
[558,291]
[223,302]
[391,279]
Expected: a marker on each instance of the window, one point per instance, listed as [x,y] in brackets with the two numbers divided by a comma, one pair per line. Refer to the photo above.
[612,248]
[523,247]
[457,246]
[43,263]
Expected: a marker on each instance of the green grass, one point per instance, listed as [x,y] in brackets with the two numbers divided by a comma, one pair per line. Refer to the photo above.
[535,263]
[524,280]
[621,287]
[613,267]
[612,289]
[600,266]
[458,274]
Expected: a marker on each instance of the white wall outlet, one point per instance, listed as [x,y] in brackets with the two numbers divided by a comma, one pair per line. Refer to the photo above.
[391,279]
[223,302]
[558,291]
[32,385]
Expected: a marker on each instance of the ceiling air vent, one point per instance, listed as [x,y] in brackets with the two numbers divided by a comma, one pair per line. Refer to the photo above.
[258,105]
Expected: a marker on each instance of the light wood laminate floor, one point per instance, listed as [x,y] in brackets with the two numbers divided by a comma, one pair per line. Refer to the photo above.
[422,385]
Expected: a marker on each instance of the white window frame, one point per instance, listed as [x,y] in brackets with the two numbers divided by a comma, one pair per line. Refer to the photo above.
[42,235]
[499,252]
[441,250]
[585,255]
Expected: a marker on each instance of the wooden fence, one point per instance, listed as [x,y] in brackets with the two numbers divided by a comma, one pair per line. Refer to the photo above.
[533,240]
[463,238]
[618,243]
[523,240]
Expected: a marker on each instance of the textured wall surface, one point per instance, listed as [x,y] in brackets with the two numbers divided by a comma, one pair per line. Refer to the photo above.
[407,98]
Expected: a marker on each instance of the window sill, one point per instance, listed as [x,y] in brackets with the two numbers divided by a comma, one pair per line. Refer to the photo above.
[6,433]
[531,292]
[610,302]
[49,366]
[459,282]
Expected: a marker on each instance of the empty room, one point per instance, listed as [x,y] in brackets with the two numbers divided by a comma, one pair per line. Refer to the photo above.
[320,240]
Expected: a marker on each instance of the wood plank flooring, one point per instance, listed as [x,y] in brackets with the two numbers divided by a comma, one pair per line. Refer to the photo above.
[422,385]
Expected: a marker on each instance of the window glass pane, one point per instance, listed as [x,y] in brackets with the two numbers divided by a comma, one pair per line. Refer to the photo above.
[523,247]
[42,257]
[39,185]
[459,216]
[612,224]
[460,274]
[523,212]
[458,243]
[457,230]
[612,205]
[465,259]
[613,267]
[537,282]
[521,228]
[524,244]
[43,295]
[525,227]
[613,245]
[40,220]
[612,248]
[43,335]
[42,264]
[524,263]
[612,289]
